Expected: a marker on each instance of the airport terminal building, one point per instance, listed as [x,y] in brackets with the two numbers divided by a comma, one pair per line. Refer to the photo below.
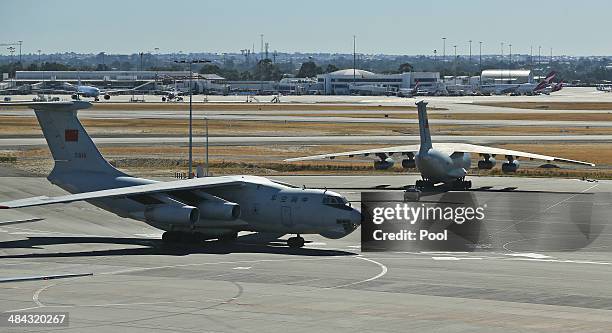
[346,81]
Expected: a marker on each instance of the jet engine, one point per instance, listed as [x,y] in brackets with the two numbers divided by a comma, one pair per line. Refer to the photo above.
[107,97]
[384,164]
[408,163]
[486,164]
[172,214]
[510,166]
[225,211]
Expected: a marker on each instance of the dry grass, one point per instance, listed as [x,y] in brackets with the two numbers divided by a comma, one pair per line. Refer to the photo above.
[28,126]
[267,160]
[475,116]
[551,105]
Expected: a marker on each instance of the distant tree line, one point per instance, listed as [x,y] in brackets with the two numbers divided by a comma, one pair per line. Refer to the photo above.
[586,70]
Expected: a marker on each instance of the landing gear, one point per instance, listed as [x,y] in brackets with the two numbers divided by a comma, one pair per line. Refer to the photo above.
[295,242]
[228,237]
[171,237]
[462,184]
[424,184]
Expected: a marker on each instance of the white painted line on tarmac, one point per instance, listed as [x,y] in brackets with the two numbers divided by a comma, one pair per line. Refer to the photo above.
[528,255]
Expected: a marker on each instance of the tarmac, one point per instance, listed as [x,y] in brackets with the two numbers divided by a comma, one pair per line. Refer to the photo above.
[118,276]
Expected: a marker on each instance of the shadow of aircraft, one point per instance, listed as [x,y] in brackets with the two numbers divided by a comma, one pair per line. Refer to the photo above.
[147,246]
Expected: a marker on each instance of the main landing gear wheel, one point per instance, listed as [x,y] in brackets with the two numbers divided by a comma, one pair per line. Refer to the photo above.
[171,237]
[228,237]
[462,184]
[295,242]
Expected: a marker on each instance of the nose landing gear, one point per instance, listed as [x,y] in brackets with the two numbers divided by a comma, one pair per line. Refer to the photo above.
[424,184]
[295,242]
[462,184]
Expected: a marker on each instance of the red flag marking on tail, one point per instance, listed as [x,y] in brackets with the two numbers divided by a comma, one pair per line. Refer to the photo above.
[71,135]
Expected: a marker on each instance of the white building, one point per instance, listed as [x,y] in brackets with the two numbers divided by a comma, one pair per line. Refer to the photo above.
[345,81]
[506,76]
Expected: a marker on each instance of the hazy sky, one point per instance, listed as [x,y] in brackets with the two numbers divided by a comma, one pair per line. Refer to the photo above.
[393,26]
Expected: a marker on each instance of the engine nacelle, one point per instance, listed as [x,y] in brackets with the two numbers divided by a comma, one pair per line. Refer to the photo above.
[384,165]
[107,97]
[409,163]
[225,211]
[486,164]
[510,166]
[172,214]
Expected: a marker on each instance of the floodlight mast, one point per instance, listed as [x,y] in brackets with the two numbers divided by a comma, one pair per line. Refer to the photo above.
[191,62]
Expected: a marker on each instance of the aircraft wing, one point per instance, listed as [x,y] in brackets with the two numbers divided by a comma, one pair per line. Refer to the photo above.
[159,187]
[404,150]
[448,148]
[483,150]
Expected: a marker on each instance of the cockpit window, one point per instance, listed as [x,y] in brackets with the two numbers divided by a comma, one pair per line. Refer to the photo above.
[334,200]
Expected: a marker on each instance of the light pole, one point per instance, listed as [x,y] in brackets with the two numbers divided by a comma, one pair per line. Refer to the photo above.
[190,62]
[206,119]
[501,72]
[480,63]
[539,55]
[354,59]
[443,49]
[550,58]
[455,46]
[480,56]
[470,50]
[20,42]
[40,67]
[510,66]
[12,51]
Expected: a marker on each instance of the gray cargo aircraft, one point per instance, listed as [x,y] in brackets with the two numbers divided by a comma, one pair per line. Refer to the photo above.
[441,162]
[188,210]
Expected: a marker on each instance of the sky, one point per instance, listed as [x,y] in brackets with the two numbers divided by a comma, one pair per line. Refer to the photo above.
[388,26]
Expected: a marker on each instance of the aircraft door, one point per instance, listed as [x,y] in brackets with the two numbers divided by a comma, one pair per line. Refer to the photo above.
[286,218]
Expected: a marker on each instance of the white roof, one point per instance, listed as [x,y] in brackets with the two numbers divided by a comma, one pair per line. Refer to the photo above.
[350,71]
[506,73]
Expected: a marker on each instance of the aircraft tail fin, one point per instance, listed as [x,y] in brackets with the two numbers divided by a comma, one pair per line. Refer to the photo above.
[71,146]
[424,126]
[550,76]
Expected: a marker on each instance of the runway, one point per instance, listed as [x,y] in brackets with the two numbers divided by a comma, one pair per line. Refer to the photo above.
[137,284]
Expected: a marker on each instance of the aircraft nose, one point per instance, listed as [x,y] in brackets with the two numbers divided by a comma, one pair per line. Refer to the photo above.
[352,221]
[355,217]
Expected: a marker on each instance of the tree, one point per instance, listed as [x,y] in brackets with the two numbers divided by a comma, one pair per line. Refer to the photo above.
[331,68]
[102,67]
[309,69]
[210,69]
[405,67]
[267,71]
